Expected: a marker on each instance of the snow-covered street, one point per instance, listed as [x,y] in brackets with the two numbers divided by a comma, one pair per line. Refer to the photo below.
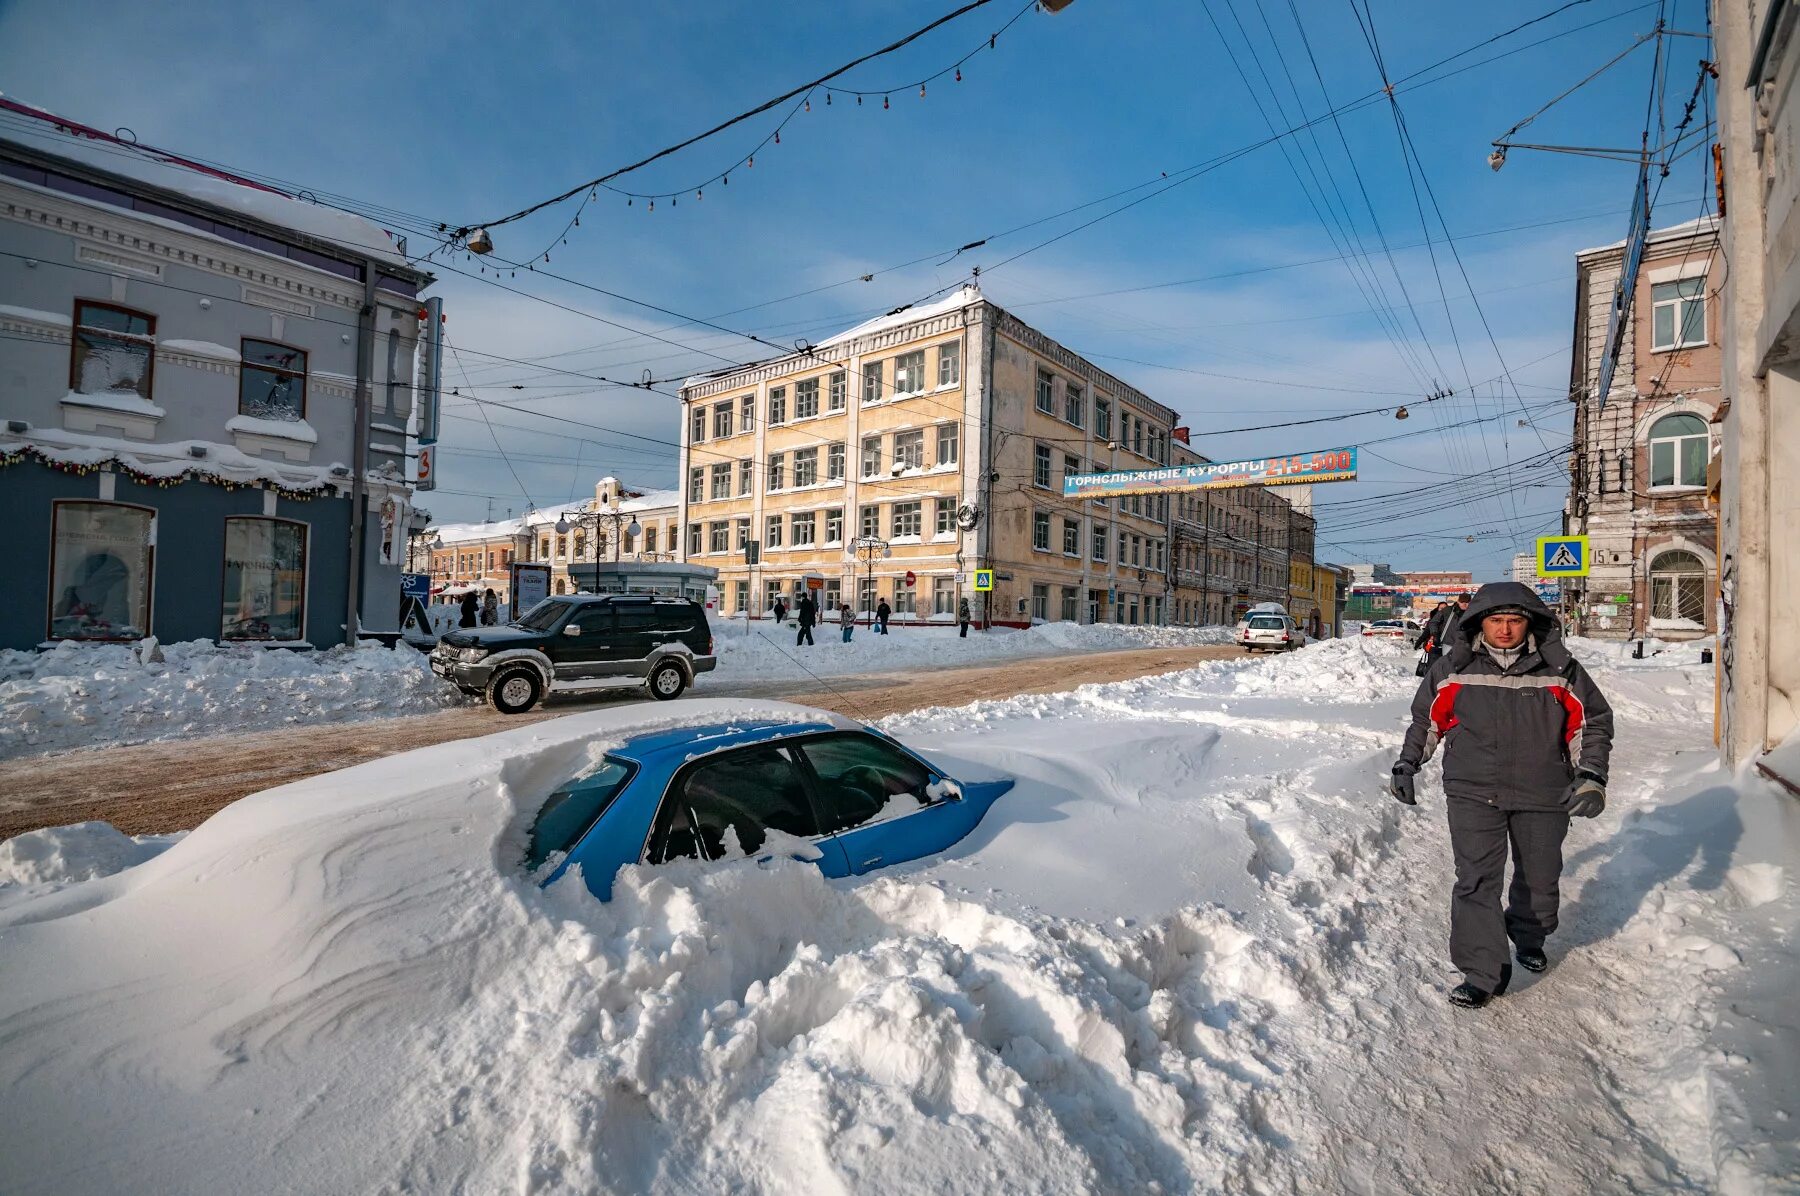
[1196,949]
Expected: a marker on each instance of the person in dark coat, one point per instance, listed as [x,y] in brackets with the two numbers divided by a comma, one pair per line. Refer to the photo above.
[471,610]
[1527,738]
[1440,631]
[846,620]
[809,614]
[962,618]
[882,611]
[780,611]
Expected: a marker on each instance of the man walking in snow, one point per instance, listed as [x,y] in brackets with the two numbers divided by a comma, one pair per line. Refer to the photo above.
[882,612]
[780,610]
[962,618]
[809,613]
[1527,736]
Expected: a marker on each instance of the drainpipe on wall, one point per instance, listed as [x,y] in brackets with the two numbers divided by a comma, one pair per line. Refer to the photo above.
[359,450]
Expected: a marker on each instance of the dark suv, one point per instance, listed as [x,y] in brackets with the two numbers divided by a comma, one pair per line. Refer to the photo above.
[578,640]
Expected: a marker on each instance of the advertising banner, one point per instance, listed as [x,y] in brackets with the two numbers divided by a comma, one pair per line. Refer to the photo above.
[530,586]
[1331,465]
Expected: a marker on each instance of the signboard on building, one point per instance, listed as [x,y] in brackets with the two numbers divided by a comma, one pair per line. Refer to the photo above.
[984,579]
[530,585]
[416,585]
[427,476]
[1332,465]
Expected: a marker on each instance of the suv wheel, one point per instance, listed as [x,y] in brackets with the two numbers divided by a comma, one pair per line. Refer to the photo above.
[667,680]
[515,690]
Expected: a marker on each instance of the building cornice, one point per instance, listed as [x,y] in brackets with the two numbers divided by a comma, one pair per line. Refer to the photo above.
[838,354]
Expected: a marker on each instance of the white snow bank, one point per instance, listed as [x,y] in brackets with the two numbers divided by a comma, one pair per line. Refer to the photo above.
[1348,670]
[83,695]
[67,854]
[210,349]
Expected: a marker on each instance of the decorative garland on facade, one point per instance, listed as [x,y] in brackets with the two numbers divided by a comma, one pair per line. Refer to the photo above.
[9,457]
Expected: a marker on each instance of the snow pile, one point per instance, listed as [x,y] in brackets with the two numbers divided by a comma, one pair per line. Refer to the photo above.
[81,695]
[1360,669]
[765,651]
[66,854]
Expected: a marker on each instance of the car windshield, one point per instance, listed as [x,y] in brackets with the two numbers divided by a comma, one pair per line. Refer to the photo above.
[543,616]
[1266,623]
[572,809]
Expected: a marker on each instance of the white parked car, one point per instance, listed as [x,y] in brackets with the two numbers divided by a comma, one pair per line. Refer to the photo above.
[1404,630]
[1271,632]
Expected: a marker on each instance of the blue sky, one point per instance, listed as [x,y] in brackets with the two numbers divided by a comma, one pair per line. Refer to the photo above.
[475,112]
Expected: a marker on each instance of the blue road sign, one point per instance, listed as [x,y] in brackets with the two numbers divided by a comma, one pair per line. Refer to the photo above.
[1562,556]
[416,585]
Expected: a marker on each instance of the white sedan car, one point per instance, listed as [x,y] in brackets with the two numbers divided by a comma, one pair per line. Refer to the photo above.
[1271,632]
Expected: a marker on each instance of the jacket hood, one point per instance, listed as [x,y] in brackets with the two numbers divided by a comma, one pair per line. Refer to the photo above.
[1496,594]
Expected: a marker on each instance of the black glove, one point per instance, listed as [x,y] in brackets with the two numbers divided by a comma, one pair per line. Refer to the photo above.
[1585,796]
[1401,786]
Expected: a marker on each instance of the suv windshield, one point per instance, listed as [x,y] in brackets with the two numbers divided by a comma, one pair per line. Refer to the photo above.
[1266,623]
[543,616]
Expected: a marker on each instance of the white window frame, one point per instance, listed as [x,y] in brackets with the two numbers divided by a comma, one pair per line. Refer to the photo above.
[806,467]
[909,448]
[1674,445]
[836,392]
[1040,531]
[1045,399]
[949,363]
[776,473]
[949,443]
[834,462]
[1685,292]
[907,519]
[721,421]
[806,398]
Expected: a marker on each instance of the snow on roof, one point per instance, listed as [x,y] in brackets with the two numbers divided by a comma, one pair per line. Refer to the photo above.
[104,151]
[1685,228]
[170,459]
[460,533]
[653,501]
[960,297]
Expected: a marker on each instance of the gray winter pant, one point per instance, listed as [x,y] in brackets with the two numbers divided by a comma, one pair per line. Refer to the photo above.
[1479,930]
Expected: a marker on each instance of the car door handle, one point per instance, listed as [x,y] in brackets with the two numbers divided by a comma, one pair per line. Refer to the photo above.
[871,861]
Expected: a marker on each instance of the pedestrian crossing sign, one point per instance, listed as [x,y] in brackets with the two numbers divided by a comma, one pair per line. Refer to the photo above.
[984,579]
[1562,556]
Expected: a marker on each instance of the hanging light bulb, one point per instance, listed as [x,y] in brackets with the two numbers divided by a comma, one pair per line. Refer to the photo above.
[884,101]
[750,162]
[577,223]
[653,205]
[959,74]
[921,91]
[991,41]
[726,179]
[628,201]
[1402,413]
[699,195]
[859,100]
[828,99]
[777,136]
[546,257]
[673,200]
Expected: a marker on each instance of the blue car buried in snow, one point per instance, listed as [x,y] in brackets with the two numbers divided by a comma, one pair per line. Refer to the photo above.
[837,792]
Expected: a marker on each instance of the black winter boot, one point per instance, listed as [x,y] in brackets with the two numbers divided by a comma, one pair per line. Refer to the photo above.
[1532,959]
[1467,996]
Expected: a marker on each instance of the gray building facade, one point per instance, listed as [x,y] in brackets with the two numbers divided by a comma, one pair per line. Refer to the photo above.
[179,417]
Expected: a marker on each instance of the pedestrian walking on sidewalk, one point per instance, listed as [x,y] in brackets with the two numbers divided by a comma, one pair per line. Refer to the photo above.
[780,611]
[471,610]
[846,620]
[1527,736]
[962,618]
[882,611]
[490,608]
[809,614]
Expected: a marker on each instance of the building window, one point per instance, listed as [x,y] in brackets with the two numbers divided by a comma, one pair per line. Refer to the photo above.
[778,405]
[865,594]
[834,463]
[806,398]
[777,470]
[906,598]
[943,595]
[697,425]
[745,469]
[1040,602]
[803,527]
[1099,543]
[1071,537]
[1124,547]
[742,527]
[1102,418]
[948,437]
[834,392]
[908,519]
[834,526]
[1678,590]
[740,593]
[909,373]
[721,481]
[718,537]
[869,522]
[721,421]
[696,484]
[806,467]
[909,449]
[113,350]
[1046,392]
[834,595]
[693,539]
[1679,446]
[944,517]
[871,382]
[1071,466]
[1040,467]
[272,382]
[772,531]
[649,540]
[1040,531]
[100,571]
[1075,405]
[1678,313]
[747,412]
[580,540]
[771,592]
[1071,598]
[949,363]
[871,456]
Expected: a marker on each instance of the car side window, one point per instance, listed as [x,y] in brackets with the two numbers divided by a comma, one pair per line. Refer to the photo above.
[860,776]
[749,791]
[635,618]
[595,623]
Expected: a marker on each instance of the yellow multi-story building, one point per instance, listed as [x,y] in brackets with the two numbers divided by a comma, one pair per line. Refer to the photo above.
[897,459]
[1231,547]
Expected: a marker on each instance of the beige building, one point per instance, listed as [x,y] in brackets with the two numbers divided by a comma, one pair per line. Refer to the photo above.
[1637,478]
[1231,546]
[897,459]
[1757,479]
[477,555]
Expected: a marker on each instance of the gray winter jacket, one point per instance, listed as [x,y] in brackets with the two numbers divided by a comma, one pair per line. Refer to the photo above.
[1513,738]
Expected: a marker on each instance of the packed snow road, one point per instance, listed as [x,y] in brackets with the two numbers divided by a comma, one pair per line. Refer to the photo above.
[1195,949]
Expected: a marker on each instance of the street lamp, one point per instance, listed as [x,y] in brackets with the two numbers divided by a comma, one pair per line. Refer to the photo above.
[591,519]
[869,549]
